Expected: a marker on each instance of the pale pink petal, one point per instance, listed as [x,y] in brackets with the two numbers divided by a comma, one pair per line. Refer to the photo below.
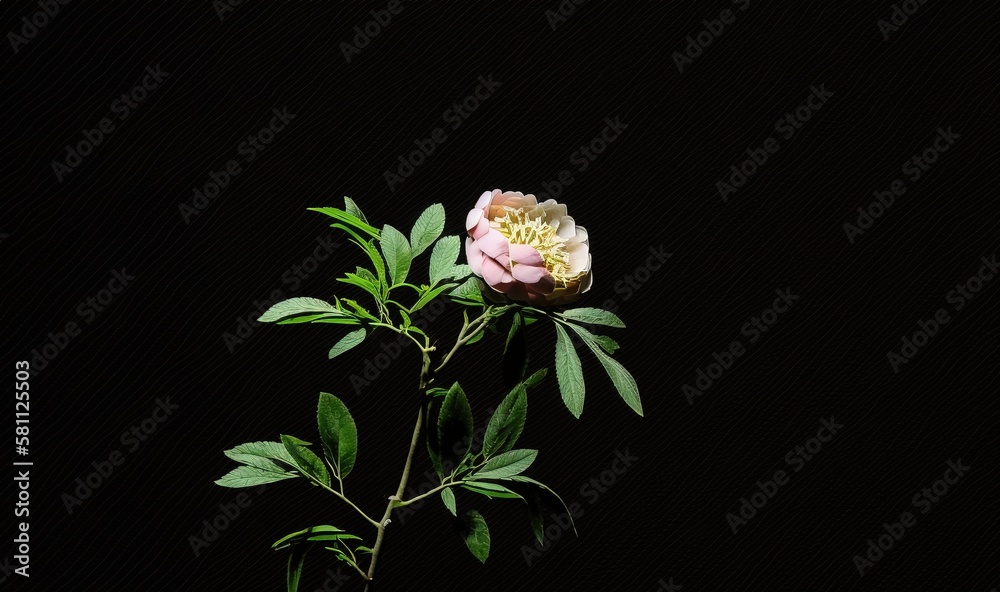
[545,285]
[474,256]
[504,260]
[493,243]
[528,274]
[525,254]
[476,224]
[494,273]
[579,257]
[484,199]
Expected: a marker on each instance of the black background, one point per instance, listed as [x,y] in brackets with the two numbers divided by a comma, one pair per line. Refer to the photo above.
[665,517]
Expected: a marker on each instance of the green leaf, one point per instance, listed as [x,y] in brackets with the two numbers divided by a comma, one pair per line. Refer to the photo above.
[569,372]
[346,218]
[461,271]
[297,307]
[427,228]
[507,464]
[364,283]
[544,487]
[352,208]
[607,344]
[306,460]
[593,316]
[249,476]
[507,423]
[346,342]
[338,432]
[454,426]
[312,318]
[490,490]
[475,338]
[477,535]
[259,462]
[429,295]
[536,516]
[536,378]
[333,537]
[620,377]
[288,539]
[443,258]
[296,560]
[267,450]
[448,497]
[397,254]
[360,310]
[468,292]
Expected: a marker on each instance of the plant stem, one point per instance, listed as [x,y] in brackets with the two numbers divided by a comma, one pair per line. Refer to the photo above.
[431,492]
[379,539]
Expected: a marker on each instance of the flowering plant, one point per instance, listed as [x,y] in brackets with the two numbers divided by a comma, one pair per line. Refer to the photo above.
[525,261]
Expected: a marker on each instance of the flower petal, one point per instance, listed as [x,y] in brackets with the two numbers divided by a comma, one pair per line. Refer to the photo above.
[494,273]
[476,224]
[525,254]
[529,274]
[493,243]
[474,256]
[484,199]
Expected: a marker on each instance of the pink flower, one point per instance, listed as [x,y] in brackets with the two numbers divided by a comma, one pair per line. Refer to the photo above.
[532,252]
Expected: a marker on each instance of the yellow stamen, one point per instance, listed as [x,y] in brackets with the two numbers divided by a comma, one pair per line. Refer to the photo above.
[520,228]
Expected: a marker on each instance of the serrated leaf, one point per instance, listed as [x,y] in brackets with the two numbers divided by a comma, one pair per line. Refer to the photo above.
[468,291]
[476,535]
[306,460]
[506,464]
[359,310]
[338,432]
[397,254]
[536,378]
[490,490]
[454,426]
[259,462]
[448,497]
[507,423]
[346,342]
[443,258]
[296,560]
[352,208]
[620,377]
[593,316]
[427,228]
[312,318]
[426,297]
[346,218]
[288,539]
[298,306]
[607,344]
[248,476]
[569,372]
[269,450]
[461,271]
